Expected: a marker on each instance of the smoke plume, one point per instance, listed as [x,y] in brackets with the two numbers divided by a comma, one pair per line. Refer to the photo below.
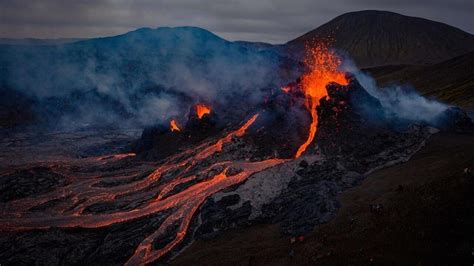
[401,101]
[138,79]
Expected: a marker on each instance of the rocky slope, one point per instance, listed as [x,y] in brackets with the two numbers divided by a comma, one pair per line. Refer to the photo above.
[424,217]
[450,81]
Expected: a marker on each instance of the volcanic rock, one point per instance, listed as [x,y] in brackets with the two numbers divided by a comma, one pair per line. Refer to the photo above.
[454,119]
[354,137]
[159,141]
[219,216]
[282,126]
[352,124]
[104,246]
[28,182]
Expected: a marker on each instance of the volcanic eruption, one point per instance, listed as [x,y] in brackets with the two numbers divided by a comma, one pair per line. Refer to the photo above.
[206,159]
[324,68]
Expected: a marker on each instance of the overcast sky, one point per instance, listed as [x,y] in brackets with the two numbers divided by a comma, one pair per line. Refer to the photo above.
[274,21]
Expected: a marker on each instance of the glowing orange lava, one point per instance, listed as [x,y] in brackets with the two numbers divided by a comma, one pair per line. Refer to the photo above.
[174,126]
[202,110]
[83,193]
[116,156]
[324,65]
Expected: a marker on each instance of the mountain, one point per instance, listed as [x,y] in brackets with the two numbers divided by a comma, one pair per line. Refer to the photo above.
[376,38]
[129,60]
[451,81]
[174,66]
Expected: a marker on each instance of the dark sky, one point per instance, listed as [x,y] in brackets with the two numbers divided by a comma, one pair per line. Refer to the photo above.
[273,21]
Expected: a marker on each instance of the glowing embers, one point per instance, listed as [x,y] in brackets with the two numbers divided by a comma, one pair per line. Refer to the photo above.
[324,67]
[202,110]
[286,89]
[116,156]
[174,127]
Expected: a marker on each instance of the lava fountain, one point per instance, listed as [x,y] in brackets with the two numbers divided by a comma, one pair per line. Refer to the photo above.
[202,110]
[324,68]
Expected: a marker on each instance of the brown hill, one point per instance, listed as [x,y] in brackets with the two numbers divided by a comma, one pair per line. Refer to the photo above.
[376,38]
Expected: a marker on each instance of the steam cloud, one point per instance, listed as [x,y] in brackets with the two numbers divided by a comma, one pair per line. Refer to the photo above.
[401,101]
[138,79]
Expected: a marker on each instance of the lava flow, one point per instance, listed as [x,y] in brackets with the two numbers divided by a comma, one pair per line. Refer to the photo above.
[202,110]
[174,126]
[116,156]
[324,68]
[185,166]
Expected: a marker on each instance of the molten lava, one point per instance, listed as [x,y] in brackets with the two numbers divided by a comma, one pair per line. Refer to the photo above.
[202,110]
[174,126]
[176,170]
[324,68]
[116,156]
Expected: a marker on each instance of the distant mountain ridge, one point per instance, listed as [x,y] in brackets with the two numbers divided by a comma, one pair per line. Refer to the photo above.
[376,38]
[130,59]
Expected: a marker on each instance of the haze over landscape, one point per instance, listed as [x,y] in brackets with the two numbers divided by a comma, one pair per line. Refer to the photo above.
[235,133]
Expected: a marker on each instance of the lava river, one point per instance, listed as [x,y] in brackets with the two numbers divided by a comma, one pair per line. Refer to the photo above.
[15,215]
